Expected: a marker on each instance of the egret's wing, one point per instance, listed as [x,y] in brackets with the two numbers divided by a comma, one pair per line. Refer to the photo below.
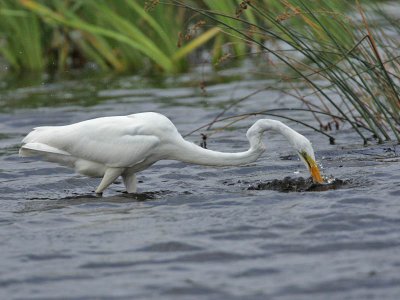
[113,141]
[122,151]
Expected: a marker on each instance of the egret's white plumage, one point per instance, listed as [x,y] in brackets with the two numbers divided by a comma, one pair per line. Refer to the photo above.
[110,147]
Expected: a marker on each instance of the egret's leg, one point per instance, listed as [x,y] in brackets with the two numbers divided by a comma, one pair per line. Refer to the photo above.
[130,182]
[109,177]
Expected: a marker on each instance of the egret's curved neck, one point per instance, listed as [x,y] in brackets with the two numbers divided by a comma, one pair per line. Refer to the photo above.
[191,153]
[254,134]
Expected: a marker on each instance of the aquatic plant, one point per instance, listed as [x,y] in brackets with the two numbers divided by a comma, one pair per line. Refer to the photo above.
[117,35]
[345,66]
[340,66]
[21,39]
[120,35]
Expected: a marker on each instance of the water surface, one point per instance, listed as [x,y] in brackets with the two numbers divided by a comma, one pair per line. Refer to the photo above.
[193,232]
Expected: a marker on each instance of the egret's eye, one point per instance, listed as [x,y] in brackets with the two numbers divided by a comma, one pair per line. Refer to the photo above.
[305,156]
[312,167]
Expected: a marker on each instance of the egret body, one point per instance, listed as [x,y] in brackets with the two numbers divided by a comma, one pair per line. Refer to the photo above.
[110,147]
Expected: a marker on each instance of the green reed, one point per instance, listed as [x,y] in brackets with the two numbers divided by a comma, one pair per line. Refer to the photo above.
[116,35]
[21,40]
[121,35]
[347,66]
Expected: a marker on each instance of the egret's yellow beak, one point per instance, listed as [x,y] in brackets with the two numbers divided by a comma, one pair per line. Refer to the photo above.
[313,168]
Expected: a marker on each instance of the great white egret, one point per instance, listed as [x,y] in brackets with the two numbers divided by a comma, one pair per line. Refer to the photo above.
[110,147]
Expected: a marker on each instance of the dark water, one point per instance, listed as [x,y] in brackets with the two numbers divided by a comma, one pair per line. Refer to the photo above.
[193,232]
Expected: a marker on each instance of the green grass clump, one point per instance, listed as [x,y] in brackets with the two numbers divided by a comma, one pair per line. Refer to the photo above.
[21,39]
[115,35]
[121,35]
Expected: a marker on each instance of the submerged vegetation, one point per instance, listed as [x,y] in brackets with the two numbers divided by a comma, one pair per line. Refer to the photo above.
[336,57]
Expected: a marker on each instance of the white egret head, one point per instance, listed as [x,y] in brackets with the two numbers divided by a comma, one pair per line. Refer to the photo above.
[300,143]
[306,153]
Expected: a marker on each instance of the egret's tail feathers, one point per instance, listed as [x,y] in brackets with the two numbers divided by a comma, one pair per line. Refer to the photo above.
[38,134]
[48,153]
[33,149]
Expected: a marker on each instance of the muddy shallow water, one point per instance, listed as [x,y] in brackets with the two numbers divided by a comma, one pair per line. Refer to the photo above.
[193,232]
